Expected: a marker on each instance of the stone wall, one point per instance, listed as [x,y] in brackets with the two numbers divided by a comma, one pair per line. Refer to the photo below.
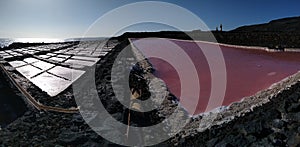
[264,39]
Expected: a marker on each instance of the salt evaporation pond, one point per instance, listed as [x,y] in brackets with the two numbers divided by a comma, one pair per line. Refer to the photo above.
[248,70]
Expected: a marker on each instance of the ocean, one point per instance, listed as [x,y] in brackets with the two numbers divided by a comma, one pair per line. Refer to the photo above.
[5,42]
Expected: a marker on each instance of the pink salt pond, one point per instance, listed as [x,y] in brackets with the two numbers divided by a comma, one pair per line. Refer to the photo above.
[248,71]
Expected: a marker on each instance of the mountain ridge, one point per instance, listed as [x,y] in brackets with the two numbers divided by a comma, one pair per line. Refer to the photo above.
[288,24]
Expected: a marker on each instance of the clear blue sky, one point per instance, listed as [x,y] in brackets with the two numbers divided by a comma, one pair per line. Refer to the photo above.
[71,18]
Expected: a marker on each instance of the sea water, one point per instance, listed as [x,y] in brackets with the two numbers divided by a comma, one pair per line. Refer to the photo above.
[4,42]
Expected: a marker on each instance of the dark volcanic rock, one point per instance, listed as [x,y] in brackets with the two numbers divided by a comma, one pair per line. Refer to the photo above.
[72,138]
[291,24]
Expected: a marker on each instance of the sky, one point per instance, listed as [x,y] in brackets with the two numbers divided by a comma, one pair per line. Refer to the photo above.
[71,18]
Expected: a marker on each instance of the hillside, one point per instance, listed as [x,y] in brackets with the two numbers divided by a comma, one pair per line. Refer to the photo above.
[291,24]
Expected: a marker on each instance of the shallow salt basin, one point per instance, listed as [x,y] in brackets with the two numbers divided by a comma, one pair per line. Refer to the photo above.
[54,71]
[248,71]
[48,77]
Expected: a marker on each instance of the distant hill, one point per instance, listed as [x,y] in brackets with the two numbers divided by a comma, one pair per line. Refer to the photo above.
[291,24]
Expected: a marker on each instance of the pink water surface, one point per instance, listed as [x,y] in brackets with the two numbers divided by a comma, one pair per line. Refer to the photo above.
[248,71]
